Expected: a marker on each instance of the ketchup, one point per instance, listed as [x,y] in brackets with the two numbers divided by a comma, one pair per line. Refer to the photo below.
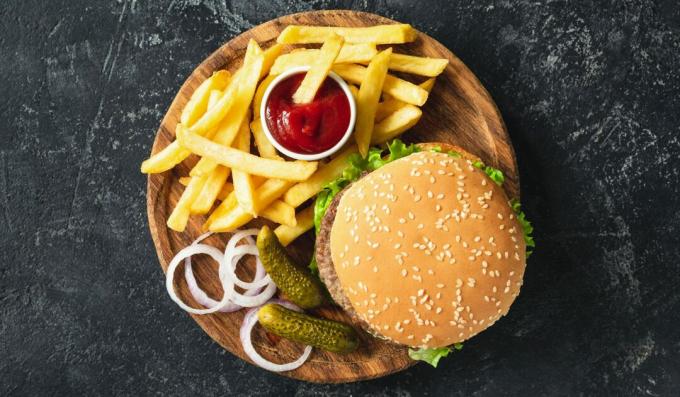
[307,128]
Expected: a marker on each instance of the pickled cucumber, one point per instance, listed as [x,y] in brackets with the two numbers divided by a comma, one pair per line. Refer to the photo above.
[328,335]
[295,281]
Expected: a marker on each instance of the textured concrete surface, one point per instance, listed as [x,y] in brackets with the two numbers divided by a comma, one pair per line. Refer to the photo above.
[589,91]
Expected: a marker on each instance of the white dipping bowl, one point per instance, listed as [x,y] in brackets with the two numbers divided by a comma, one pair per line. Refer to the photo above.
[309,156]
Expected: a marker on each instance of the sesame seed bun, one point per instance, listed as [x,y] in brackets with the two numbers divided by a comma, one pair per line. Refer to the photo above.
[425,251]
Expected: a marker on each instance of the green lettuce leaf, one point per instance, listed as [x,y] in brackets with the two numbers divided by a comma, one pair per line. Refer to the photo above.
[527,228]
[375,159]
[495,174]
[432,356]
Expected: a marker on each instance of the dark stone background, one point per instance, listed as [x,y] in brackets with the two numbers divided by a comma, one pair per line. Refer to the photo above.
[589,91]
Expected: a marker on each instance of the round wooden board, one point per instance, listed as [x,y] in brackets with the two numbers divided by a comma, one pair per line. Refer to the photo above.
[459,111]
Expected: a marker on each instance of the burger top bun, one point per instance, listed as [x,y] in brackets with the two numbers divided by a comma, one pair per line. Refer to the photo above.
[428,250]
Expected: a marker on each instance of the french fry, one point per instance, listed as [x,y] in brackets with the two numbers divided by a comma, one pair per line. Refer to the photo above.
[394,86]
[211,189]
[318,70]
[229,215]
[281,213]
[354,90]
[198,103]
[244,188]
[303,191]
[391,105]
[215,96]
[349,53]
[259,94]
[422,66]
[164,160]
[174,154]
[355,53]
[264,147]
[395,124]
[277,211]
[243,161]
[226,188]
[304,222]
[247,81]
[387,107]
[367,100]
[380,34]
[428,84]
[270,56]
[179,217]
[211,118]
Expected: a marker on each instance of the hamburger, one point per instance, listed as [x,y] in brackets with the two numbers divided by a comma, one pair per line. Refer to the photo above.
[421,246]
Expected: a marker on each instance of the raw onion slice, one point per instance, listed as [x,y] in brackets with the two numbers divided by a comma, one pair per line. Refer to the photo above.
[202,297]
[233,256]
[246,300]
[227,285]
[240,235]
[246,340]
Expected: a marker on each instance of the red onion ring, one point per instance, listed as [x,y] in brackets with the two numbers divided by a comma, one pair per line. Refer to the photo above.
[246,340]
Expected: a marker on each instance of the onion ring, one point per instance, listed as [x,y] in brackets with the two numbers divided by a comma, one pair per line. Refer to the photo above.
[233,256]
[193,249]
[202,297]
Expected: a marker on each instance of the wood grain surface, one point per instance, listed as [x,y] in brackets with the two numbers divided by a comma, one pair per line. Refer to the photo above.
[459,111]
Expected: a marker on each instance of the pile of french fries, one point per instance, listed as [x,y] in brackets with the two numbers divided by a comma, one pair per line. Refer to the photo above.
[231,183]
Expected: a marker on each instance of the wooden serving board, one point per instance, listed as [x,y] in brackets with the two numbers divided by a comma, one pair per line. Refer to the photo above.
[459,111]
